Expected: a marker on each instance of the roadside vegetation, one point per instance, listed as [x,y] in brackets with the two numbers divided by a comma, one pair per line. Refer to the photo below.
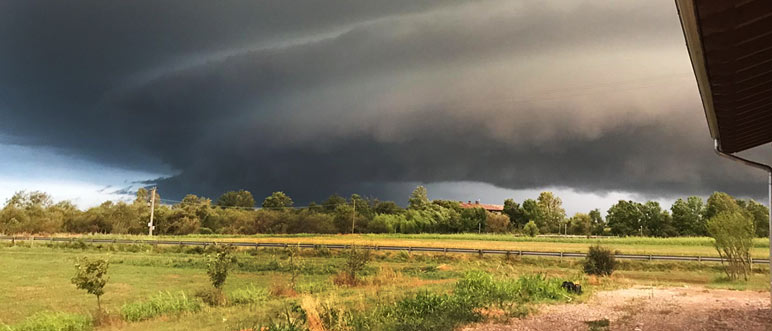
[237,213]
[154,287]
[218,286]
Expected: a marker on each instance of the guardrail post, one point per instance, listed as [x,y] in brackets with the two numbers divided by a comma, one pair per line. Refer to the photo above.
[699,259]
[445,251]
[410,249]
[649,258]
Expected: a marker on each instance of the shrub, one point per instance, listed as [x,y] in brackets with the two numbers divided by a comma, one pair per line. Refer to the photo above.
[429,311]
[381,224]
[280,288]
[295,263]
[600,261]
[92,277]
[496,223]
[212,296]
[356,261]
[51,321]
[219,264]
[531,229]
[249,295]
[164,303]
[733,238]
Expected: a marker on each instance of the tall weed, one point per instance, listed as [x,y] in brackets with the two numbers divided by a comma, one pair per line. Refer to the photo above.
[164,303]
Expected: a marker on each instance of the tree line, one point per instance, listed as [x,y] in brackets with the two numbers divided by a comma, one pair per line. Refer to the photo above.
[235,213]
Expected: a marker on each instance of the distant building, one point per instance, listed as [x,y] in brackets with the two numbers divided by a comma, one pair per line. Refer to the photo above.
[488,207]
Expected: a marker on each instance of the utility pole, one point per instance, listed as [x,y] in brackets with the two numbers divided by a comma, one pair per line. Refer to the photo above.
[353,215]
[152,209]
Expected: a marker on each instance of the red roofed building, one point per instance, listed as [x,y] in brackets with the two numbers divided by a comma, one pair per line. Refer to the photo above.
[487,207]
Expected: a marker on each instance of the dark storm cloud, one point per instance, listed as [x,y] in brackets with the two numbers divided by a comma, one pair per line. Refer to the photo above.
[315,97]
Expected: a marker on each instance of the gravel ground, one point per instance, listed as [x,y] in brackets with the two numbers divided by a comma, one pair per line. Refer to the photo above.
[647,308]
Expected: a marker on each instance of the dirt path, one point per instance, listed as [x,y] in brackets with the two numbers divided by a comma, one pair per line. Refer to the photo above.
[646,308]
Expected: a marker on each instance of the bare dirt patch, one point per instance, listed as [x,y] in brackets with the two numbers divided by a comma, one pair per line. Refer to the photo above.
[647,308]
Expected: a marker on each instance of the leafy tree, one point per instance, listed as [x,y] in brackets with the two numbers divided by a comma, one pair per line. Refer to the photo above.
[733,232]
[688,217]
[277,200]
[760,215]
[315,207]
[363,206]
[219,264]
[419,199]
[625,218]
[240,198]
[532,212]
[655,221]
[552,211]
[472,220]
[333,202]
[91,276]
[387,207]
[515,213]
[720,202]
[598,223]
[531,229]
[580,224]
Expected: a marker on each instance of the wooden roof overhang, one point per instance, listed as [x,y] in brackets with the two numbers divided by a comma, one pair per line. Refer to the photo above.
[730,46]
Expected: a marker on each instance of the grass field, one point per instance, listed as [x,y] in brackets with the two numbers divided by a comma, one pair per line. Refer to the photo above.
[685,246]
[36,277]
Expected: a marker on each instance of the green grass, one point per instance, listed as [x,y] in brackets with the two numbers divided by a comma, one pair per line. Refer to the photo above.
[248,295]
[51,321]
[163,303]
[37,278]
[687,246]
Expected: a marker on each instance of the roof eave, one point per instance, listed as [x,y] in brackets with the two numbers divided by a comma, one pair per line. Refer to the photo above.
[689,22]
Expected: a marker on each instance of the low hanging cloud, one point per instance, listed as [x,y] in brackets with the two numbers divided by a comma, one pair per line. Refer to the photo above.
[354,96]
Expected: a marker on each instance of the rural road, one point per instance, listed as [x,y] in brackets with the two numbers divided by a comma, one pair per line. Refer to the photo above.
[647,308]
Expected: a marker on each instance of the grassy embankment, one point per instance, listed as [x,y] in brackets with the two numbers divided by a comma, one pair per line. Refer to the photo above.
[685,246]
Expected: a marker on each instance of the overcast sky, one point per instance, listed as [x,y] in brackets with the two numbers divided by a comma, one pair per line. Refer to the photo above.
[594,100]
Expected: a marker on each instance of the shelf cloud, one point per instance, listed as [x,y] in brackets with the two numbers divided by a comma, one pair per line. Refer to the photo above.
[321,97]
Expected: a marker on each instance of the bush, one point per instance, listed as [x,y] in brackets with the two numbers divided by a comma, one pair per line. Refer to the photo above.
[51,321]
[356,261]
[429,311]
[212,296]
[165,303]
[600,261]
[219,264]
[496,223]
[531,229]
[733,233]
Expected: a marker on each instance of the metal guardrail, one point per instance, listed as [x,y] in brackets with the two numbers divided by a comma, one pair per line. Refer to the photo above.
[379,248]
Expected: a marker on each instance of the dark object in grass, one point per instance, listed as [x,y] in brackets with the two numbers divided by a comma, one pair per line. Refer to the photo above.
[571,287]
